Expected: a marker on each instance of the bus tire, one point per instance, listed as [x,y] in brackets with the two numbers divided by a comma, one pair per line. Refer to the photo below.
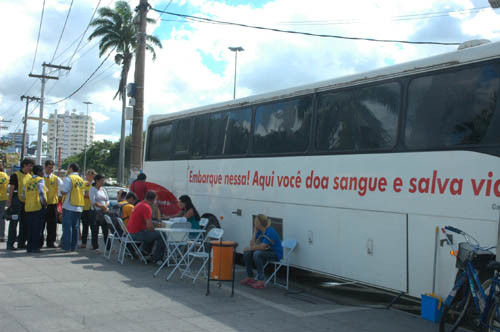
[213,222]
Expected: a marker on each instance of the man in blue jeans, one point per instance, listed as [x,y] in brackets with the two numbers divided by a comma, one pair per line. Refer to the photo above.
[73,188]
[265,246]
[141,228]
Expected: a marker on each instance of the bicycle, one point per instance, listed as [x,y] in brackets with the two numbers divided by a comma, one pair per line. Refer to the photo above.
[472,259]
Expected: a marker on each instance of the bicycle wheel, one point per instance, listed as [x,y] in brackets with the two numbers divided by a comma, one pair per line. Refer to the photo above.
[454,313]
[493,319]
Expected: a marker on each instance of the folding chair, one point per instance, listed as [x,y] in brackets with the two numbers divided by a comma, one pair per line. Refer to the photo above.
[288,247]
[128,240]
[114,236]
[177,241]
[203,223]
[215,234]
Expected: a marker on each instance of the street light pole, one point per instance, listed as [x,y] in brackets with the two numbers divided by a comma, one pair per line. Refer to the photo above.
[235,50]
[86,136]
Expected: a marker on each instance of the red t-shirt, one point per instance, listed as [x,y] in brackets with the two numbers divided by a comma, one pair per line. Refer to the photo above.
[137,221]
[139,188]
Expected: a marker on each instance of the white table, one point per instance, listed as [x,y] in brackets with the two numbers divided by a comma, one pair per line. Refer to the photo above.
[190,244]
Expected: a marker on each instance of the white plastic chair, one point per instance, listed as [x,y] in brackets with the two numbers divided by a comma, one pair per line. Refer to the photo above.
[114,236]
[203,223]
[215,234]
[128,240]
[288,247]
[177,241]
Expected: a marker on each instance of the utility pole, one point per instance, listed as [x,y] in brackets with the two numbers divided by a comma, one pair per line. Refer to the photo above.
[44,78]
[136,153]
[56,123]
[28,99]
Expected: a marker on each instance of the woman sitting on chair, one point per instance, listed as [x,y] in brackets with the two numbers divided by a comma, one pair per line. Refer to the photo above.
[188,211]
[265,246]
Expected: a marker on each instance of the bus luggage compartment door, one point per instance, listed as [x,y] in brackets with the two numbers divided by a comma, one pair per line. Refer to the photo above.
[372,247]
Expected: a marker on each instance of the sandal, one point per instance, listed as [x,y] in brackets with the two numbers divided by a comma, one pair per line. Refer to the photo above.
[247,281]
[258,285]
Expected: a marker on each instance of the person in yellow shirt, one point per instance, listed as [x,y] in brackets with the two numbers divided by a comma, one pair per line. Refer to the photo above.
[35,197]
[4,184]
[16,203]
[74,188]
[127,206]
[86,218]
[52,183]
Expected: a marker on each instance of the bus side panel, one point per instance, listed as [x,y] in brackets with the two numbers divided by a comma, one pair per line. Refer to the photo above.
[179,177]
[366,246]
[160,173]
[421,230]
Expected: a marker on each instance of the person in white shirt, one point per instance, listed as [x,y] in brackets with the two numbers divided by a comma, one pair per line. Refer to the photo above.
[99,201]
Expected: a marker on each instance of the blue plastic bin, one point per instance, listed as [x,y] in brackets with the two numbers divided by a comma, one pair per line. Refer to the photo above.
[431,308]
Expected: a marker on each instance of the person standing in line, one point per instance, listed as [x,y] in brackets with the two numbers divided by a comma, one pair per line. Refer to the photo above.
[4,184]
[16,203]
[100,205]
[86,214]
[52,183]
[34,193]
[73,187]
[138,186]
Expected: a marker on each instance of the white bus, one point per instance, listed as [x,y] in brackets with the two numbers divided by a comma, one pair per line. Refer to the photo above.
[359,170]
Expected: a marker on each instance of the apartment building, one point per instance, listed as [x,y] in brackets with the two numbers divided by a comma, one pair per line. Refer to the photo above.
[74,132]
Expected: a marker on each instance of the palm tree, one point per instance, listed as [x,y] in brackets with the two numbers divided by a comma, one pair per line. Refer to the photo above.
[118,32]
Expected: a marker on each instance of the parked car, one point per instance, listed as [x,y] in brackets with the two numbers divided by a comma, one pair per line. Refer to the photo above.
[112,192]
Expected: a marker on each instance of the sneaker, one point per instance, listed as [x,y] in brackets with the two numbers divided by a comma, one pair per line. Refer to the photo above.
[259,284]
[2,239]
[159,262]
[12,248]
[247,281]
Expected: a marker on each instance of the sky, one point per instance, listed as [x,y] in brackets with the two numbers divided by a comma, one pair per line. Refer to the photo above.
[195,66]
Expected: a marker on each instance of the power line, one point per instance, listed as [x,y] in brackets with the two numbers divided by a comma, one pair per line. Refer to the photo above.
[406,17]
[207,20]
[164,9]
[86,81]
[62,32]
[86,29]
[38,38]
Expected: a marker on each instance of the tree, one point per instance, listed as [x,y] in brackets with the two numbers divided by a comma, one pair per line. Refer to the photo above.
[118,32]
[102,157]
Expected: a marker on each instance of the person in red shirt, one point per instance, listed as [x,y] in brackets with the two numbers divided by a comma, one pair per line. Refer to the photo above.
[141,228]
[138,186]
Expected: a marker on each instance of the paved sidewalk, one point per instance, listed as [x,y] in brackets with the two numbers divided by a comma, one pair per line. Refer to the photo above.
[82,291]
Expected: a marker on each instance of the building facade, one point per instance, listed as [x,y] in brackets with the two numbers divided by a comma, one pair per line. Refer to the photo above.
[72,133]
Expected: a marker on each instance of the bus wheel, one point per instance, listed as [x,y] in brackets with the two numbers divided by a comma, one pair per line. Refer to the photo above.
[213,222]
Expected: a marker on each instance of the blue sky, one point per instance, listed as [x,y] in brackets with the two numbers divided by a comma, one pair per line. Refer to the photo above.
[195,67]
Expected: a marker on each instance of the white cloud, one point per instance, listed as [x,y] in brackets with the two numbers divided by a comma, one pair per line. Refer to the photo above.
[180,78]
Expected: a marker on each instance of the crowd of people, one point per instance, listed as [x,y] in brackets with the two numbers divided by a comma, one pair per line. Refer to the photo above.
[30,198]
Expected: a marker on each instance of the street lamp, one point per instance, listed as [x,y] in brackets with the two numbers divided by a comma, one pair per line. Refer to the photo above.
[235,50]
[86,136]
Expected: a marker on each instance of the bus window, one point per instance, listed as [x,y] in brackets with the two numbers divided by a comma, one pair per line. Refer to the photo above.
[198,140]
[160,142]
[216,133]
[453,109]
[182,133]
[358,119]
[237,132]
[283,126]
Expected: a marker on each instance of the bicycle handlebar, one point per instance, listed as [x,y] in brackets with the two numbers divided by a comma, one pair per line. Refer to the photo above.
[454,230]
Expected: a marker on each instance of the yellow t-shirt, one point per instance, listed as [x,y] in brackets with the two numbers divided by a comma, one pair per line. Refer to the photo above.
[86,205]
[4,184]
[127,209]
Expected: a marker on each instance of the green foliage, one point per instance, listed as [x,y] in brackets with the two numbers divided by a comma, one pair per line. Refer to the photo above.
[102,157]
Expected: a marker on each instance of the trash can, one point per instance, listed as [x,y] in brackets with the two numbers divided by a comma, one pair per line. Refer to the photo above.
[221,262]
